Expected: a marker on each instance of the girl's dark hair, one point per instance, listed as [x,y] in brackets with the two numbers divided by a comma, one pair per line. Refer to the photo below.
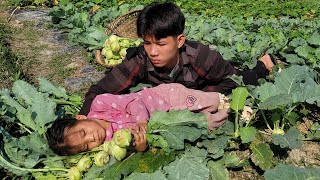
[160,20]
[55,135]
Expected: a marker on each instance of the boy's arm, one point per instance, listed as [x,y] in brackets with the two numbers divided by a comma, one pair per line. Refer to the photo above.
[217,72]
[118,80]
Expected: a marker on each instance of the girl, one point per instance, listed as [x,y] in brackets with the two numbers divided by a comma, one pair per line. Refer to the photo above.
[109,113]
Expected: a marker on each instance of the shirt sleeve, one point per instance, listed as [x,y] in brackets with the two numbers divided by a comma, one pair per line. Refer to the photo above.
[138,111]
[217,72]
[117,81]
[109,107]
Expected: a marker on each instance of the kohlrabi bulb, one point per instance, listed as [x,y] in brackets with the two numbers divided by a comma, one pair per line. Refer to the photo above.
[74,173]
[106,146]
[84,163]
[113,38]
[115,46]
[117,151]
[101,158]
[122,138]
[123,52]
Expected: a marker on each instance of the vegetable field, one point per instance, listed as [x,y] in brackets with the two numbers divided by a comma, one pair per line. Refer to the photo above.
[273,130]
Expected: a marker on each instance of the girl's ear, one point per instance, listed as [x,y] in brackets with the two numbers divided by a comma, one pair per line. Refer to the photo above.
[181,39]
[80,117]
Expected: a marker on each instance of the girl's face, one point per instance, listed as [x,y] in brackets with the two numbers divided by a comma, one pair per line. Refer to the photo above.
[85,135]
[163,52]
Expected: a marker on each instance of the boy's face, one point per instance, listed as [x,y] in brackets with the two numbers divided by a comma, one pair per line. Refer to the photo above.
[85,135]
[163,52]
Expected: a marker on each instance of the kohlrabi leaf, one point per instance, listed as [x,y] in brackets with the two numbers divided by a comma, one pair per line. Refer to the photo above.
[288,81]
[148,162]
[285,172]
[158,175]
[265,91]
[247,134]
[43,112]
[215,147]
[48,87]
[187,168]
[233,160]
[314,39]
[23,114]
[7,164]
[239,96]
[276,101]
[217,170]
[25,91]
[291,139]
[262,155]
[309,94]
[177,126]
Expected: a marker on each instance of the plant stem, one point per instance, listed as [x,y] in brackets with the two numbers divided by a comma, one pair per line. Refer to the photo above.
[60,101]
[236,133]
[12,166]
[265,120]
[25,128]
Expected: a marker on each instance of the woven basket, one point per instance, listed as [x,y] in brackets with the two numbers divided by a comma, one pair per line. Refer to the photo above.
[124,26]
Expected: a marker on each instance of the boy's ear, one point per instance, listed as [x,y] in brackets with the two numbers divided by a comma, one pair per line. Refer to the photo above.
[181,39]
[80,117]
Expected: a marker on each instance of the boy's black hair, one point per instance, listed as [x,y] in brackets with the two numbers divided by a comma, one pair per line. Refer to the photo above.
[55,135]
[160,20]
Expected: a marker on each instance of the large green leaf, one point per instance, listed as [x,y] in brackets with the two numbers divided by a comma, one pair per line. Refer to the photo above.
[218,171]
[8,165]
[25,91]
[247,134]
[314,39]
[239,96]
[23,114]
[309,94]
[215,147]
[176,127]
[292,139]
[262,155]
[158,175]
[43,112]
[276,101]
[46,86]
[285,172]
[148,162]
[288,81]
[265,91]
[187,168]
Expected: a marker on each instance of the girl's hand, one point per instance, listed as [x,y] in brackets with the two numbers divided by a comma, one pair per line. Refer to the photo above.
[140,138]
[80,117]
[140,141]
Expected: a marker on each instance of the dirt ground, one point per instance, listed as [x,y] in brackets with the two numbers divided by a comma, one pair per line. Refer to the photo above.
[44,52]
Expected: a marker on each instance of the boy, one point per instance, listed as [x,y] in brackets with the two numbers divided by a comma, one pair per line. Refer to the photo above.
[110,113]
[166,57]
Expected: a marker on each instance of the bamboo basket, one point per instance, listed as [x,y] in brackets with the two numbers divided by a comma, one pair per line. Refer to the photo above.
[124,26]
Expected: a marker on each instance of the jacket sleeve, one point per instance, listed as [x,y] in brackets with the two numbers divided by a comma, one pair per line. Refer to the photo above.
[217,72]
[117,81]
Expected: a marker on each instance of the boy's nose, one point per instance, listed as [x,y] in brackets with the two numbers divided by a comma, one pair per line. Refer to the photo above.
[153,51]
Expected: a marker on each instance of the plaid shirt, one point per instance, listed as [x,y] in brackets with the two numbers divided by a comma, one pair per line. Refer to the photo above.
[207,74]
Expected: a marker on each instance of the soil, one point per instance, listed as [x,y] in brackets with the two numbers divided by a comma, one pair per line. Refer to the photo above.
[45,52]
